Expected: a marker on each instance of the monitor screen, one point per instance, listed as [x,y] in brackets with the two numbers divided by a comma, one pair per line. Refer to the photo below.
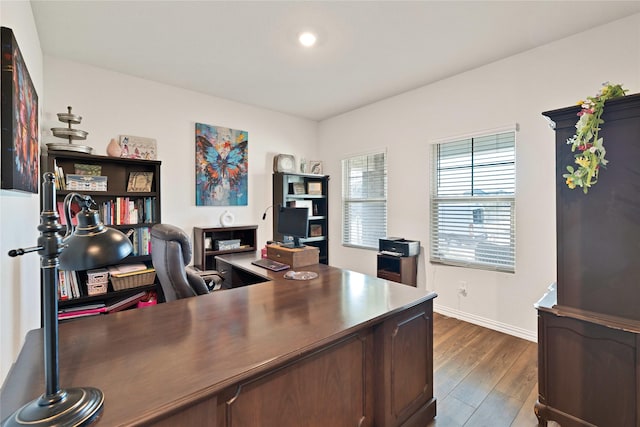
[293,222]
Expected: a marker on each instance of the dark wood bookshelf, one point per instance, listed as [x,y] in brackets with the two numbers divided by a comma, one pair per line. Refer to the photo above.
[294,189]
[205,238]
[118,171]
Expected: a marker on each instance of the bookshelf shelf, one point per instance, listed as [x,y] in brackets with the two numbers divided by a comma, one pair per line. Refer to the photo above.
[108,193]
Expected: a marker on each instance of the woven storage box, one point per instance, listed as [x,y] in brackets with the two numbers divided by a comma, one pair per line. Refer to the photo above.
[133,280]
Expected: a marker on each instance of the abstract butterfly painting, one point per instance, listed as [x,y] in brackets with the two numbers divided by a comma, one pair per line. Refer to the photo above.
[221,166]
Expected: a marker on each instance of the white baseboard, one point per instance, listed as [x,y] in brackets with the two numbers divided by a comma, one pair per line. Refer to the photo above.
[487,323]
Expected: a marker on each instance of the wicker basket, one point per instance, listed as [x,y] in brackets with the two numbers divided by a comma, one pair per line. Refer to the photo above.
[133,280]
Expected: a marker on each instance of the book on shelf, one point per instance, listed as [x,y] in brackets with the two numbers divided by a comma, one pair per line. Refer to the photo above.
[74,208]
[70,285]
[127,302]
[59,176]
[75,286]
[95,309]
[90,306]
[81,313]
[141,240]
[125,210]
[65,286]
[63,295]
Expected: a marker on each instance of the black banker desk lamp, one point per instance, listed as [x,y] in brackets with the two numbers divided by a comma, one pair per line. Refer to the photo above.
[85,246]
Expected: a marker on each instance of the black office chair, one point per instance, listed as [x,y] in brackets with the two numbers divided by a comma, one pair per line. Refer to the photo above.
[170,253]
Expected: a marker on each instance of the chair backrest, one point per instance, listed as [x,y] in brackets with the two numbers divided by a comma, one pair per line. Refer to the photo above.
[170,253]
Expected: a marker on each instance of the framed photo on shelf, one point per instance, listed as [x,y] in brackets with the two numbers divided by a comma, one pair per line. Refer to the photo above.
[298,188]
[138,147]
[314,188]
[315,230]
[315,167]
[20,146]
[140,182]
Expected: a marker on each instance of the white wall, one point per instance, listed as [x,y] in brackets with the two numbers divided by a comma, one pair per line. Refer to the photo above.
[19,215]
[514,90]
[112,103]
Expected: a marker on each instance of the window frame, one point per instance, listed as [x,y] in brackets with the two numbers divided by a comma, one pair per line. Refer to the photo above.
[497,202]
[346,201]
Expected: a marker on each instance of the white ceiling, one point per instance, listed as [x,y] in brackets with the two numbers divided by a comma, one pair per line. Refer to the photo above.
[248,52]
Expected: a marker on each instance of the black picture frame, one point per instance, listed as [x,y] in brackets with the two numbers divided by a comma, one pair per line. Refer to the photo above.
[19,168]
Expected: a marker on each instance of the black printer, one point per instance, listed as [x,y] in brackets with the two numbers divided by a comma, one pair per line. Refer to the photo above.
[399,246]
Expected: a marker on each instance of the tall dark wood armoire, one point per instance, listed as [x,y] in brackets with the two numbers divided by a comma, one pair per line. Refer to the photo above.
[589,321]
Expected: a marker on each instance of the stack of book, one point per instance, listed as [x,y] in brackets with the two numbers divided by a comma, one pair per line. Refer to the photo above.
[69,285]
[141,240]
[125,210]
[96,309]
[59,176]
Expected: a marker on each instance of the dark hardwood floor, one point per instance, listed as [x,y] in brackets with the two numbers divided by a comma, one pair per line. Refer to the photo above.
[482,377]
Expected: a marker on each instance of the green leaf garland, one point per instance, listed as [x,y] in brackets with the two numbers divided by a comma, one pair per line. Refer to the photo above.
[590,149]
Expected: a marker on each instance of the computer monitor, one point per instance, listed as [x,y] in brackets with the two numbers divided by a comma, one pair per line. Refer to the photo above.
[293,222]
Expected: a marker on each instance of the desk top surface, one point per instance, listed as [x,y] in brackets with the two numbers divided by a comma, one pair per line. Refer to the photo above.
[147,361]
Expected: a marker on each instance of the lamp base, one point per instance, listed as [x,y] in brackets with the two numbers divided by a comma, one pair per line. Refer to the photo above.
[68,407]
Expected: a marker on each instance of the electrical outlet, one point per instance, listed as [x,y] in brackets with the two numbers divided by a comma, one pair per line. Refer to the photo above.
[462,288]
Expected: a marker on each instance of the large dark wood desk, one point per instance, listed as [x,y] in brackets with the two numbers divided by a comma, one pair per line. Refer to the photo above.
[344,349]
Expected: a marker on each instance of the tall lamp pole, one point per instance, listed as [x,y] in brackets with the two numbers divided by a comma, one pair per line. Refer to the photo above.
[88,245]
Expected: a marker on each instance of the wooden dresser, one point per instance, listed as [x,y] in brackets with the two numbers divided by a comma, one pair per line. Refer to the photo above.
[589,322]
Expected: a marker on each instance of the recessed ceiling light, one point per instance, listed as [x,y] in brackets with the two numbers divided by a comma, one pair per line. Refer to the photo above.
[307,39]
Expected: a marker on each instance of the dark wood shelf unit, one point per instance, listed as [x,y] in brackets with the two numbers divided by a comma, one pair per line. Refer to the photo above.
[290,188]
[401,269]
[117,170]
[589,321]
[204,255]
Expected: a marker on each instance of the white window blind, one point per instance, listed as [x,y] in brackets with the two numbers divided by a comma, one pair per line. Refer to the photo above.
[473,202]
[364,200]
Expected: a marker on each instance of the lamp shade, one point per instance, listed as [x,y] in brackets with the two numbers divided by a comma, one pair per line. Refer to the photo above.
[92,245]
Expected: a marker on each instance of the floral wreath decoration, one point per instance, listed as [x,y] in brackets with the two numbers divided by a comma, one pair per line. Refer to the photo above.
[591,152]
